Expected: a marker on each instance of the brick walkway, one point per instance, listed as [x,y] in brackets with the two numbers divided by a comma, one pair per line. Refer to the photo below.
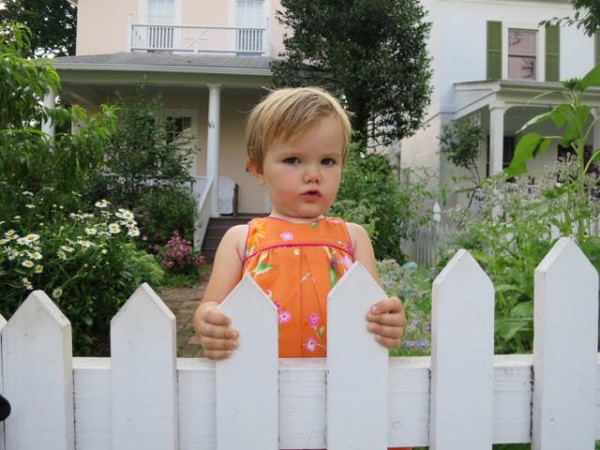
[183,302]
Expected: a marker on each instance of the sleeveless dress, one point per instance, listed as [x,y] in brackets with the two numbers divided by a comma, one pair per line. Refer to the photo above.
[296,265]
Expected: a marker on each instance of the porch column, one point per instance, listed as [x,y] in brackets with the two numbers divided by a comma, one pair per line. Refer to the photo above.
[497,110]
[212,144]
[49,103]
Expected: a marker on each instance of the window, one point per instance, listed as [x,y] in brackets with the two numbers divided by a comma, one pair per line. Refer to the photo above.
[178,126]
[161,13]
[522,54]
[250,15]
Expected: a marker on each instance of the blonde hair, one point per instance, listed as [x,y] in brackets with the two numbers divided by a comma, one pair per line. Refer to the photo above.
[286,114]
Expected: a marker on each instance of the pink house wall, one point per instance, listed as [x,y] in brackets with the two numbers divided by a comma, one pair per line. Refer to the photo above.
[103,25]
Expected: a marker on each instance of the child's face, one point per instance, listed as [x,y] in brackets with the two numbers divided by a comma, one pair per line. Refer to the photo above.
[302,176]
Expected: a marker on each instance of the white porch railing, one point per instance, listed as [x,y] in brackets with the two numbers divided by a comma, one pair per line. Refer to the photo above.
[462,397]
[196,39]
[201,188]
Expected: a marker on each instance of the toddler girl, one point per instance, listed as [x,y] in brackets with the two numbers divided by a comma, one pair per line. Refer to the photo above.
[297,141]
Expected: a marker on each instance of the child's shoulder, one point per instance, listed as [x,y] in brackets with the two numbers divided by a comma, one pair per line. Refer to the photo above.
[356,230]
[235,238]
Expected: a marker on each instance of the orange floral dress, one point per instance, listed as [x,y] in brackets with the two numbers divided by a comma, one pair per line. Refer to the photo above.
[296,265]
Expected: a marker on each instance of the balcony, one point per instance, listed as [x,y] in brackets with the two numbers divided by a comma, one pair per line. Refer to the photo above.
[198,40]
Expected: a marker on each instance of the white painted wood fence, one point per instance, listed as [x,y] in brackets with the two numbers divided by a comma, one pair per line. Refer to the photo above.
[463,397]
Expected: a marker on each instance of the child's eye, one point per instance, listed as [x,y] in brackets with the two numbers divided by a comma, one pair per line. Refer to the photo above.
[328,162]
[292,161]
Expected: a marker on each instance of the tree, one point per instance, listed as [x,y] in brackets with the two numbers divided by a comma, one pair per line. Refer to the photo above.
[53,24]
[587,16]
[371,54]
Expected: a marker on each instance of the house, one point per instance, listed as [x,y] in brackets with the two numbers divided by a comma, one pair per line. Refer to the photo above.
[491,60]
[209,61]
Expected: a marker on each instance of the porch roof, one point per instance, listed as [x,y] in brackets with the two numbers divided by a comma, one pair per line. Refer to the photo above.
[472,96]
[90,78]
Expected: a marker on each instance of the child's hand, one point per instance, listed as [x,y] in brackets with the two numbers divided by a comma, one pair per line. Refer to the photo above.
[213,329]
[387,321]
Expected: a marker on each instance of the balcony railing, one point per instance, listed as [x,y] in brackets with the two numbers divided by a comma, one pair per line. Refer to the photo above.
[194,39]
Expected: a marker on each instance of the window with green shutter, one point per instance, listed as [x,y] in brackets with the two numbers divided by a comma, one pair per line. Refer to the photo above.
[552,53]
[494,50]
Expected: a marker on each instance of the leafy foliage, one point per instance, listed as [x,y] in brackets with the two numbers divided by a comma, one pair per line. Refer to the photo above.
[49,238]
[53,24]
[587,16]
[370,53]
[24,82]
[575,123]
[87,262]
[146,170]
[460,144]
[515,228]
[412,284]
[389,208]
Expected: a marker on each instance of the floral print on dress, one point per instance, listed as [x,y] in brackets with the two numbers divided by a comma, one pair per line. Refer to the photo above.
[287,236]
[298,264]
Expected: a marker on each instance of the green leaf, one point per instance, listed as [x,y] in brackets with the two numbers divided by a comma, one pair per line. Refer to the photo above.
[333,276]
[529,146]
[592,78]
[537,119]
[506,288]
[522,309]
[560,114]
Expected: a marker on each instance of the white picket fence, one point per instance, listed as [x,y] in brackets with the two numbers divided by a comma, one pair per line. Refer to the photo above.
[462,397]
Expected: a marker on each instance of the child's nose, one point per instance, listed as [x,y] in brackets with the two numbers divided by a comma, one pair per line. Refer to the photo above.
[312,174]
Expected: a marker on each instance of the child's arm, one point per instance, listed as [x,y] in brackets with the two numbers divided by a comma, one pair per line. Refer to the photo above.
[213,328]
[386,319]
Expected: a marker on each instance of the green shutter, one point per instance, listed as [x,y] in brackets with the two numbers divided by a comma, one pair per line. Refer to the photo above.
[597,47]
[494,50]
[552,53]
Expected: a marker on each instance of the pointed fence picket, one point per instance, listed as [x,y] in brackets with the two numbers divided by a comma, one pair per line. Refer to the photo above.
[462,397]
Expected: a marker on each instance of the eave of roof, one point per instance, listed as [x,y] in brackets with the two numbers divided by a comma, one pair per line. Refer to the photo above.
[166,63]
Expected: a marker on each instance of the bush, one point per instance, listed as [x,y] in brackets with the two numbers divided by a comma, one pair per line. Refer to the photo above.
[163,210]
[146,170]
[516,227]
[178,256]
[88,263]
[372,194]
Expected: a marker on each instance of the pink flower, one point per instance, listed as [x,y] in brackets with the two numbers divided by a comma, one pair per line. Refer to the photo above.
[287,236]
[284,317]
[311,344]
[314,320]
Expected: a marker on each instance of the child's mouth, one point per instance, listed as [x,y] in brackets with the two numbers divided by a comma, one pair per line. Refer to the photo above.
[312,195]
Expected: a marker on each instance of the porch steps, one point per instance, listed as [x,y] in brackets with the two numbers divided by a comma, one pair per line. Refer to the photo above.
[217,226]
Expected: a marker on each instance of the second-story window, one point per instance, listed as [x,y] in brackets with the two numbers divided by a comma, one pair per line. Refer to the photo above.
[161,14]
[250,14]
[161,11]
[522,54]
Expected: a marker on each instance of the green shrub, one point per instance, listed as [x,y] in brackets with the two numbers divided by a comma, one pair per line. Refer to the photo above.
[87,263]
[387,207]
[146,170]
[513,231]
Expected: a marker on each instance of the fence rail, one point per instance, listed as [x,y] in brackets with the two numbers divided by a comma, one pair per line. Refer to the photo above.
[461,397]
[195,39]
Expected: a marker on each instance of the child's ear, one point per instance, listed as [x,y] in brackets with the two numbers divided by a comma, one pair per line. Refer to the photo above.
[254,170]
